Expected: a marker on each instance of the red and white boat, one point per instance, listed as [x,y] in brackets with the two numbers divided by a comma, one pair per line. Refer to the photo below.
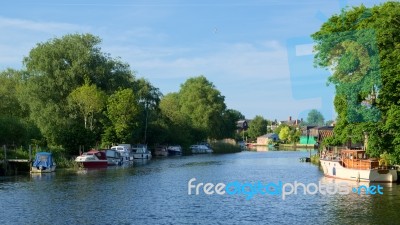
[92,159]
[354,165]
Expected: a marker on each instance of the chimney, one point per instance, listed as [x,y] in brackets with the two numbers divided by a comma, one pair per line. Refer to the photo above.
[290,118]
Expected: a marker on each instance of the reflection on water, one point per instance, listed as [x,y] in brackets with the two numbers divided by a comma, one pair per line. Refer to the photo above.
[262,148]
[155,192]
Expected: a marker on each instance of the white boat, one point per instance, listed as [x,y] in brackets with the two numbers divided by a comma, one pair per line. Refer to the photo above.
[114,158]
[175,150]
[140,152]
[92,159]
[124,151]
[43,163]
[198,149]
[354,165]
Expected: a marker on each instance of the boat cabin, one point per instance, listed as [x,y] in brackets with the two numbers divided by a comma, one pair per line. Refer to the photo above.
[357,159]
[101,155]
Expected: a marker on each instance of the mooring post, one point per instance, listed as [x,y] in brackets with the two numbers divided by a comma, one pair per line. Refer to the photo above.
[5,159]
[5,152]
[30,153]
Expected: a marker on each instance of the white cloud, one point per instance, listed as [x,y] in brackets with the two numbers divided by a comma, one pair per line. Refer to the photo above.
[47,27]
[238,60]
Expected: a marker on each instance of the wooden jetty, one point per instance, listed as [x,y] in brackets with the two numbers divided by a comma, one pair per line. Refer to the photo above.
[14,166]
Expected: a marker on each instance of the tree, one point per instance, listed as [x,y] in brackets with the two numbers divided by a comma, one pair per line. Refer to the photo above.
[149,99]
[329,122]
[315,118]
[229,119]
[88,101]
[15,126]
[257,127]
[123,112]
[362,47]
[10,85]
[284,133]
[58,67]
[178,125]
[200,101]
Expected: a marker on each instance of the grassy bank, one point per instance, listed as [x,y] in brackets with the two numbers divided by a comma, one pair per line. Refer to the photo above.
[59,155]
[63,162]
[296,146]
[221,148]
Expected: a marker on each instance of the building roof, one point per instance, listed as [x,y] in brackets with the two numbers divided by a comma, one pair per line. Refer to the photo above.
[269,135]
[242,124]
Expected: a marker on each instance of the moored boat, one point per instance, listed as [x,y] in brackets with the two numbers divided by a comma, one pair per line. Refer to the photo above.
[43,163]
[92,159]
[114,157]
[353,164]
[175,150]
[198,149]
[140,151]
[124,151]
[161,151]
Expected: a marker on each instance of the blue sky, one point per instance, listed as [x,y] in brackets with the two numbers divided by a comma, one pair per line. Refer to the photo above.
[256,52]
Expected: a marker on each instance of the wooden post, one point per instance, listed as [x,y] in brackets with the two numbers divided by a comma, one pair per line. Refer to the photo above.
[5,152]
[30,153]
[5,159]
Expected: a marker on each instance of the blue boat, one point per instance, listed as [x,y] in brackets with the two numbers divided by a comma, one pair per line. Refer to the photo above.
[44,163]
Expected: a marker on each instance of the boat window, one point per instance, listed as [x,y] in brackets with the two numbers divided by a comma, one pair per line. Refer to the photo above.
[43,158]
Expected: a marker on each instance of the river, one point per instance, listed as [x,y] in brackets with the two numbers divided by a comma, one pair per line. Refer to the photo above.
[156,192]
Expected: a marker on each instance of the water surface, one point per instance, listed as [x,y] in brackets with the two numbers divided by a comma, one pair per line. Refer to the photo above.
[156,192]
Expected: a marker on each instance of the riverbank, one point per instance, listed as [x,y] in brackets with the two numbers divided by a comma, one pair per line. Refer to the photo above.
[294,146]
[223,148]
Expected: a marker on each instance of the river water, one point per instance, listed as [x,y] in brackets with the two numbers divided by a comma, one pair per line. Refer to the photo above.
[156,192]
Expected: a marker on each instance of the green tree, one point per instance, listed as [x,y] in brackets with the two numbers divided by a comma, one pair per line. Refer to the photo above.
[123,112]
[329,122]
[315,118]
[58,67]
[15,126]
[229,119]
[149,100]
[200,101]
[88,101]
[294,135]
[284,133]
[257,127]
[178,125]
[11,82]
[362,46]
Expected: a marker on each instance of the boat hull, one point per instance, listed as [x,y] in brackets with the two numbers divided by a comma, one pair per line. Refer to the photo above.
[173,152]
[334,169]
[43,170]
[161,153]
[94,164]
[141,156]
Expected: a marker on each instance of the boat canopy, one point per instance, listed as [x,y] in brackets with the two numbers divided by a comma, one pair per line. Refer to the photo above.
[44,159]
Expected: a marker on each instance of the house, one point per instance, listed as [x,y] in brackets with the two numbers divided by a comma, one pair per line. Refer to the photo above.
[291,122]
[267,138]
[315,134]
[242,125]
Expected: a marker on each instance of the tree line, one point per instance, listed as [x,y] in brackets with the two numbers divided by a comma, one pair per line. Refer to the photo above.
[361,46]
[70,93]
